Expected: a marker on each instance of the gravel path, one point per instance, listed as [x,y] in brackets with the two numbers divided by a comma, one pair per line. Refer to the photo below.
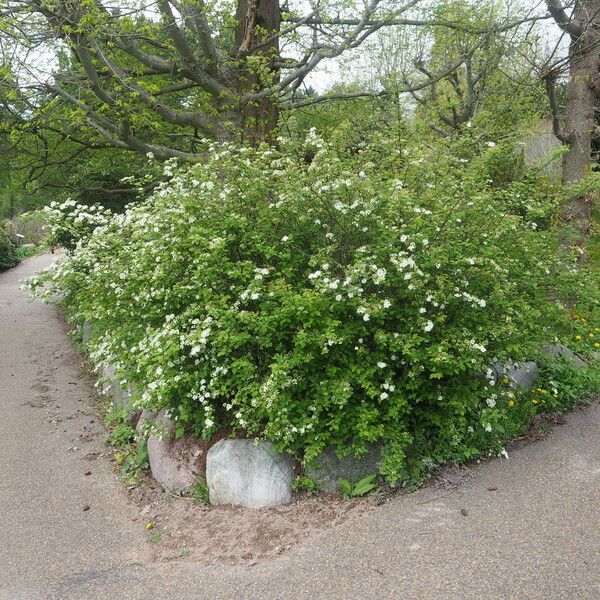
[531,528]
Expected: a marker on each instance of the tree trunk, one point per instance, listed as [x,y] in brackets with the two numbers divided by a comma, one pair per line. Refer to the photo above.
[584,63]
[579,121]
[257,20]
[578,130]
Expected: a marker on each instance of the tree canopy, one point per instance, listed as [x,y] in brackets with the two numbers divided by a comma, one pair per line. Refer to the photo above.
[89,80]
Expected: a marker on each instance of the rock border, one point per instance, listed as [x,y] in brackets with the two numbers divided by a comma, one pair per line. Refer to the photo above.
[251,473]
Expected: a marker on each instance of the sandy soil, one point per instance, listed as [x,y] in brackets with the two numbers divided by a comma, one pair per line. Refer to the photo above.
[185,528]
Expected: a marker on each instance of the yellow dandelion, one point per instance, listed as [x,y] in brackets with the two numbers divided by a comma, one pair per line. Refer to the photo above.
[597,345]
[577,337]
[511,403]
[505,380]
[590,335]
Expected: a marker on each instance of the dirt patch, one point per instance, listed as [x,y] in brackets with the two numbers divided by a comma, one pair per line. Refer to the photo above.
[450,477]
[179,527]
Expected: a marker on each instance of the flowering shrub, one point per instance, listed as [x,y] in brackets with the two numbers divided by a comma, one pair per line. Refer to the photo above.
[336,302]
[68,221]
[9,257]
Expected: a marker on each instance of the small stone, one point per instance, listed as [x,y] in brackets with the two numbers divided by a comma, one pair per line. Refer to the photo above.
[87,473]
[560,351]
[146,418]
[111,386]
[492,489]
[86,333]
[86,507]
[329,468]
[463,512]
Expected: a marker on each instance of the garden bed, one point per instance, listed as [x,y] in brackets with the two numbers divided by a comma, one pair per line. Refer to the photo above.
[329,307]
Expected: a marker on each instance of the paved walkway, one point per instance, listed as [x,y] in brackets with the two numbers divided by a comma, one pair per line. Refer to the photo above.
[537,536]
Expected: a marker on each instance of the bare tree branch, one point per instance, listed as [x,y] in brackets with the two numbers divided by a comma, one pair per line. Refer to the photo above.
[557,10]
[557,129]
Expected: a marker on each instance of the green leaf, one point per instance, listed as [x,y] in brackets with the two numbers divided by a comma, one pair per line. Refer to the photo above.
[364,486]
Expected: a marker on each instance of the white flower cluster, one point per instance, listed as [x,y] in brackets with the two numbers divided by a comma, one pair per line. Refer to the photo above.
[300,302]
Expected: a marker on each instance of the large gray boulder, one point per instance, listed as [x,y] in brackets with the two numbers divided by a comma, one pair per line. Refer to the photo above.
[248,473]
[329,468]
[559,351]
[521,375]
[175,464]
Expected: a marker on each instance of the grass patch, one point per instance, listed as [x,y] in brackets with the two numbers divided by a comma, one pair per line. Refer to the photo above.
[594,241]
[156,536]
[131,453]
[24,252]
[199,491]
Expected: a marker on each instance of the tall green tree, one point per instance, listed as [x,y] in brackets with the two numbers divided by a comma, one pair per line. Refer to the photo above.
[493,89]
[161,78]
